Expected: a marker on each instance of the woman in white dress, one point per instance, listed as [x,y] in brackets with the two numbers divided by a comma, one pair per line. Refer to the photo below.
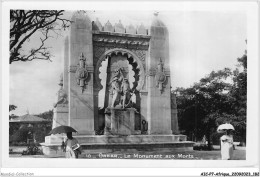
[227,146]
[69,147]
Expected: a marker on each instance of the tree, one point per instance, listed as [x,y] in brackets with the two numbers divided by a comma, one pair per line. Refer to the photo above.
[48,115]
[213,101]
[239,95]
[13,127]
[25,24]
[197,104]
[12,107]
[44,129]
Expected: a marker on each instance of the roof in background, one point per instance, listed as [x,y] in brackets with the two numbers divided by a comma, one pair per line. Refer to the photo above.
[27,118]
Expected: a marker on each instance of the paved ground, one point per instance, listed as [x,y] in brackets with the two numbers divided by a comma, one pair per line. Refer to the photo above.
[239,154]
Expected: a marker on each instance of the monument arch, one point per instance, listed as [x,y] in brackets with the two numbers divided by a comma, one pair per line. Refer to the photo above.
[129,54]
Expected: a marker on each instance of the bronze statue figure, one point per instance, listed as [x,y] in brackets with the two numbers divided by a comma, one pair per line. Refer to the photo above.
[126,99]
[115,92]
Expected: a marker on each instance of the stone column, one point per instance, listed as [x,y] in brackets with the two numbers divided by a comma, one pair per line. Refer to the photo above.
[81,104]
[159,104]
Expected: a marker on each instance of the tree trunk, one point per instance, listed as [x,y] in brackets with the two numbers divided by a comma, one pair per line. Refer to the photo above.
[244,138]
[209,140]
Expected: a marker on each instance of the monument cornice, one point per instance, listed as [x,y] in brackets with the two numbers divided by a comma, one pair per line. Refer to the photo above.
[114,34]
[121,39]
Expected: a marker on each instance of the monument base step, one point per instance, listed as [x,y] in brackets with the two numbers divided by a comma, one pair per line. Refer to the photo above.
[55,149]
[108,139]
[107,143]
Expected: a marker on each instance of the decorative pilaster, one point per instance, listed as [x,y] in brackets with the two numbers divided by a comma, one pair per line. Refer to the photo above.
[158,76]
[81,101]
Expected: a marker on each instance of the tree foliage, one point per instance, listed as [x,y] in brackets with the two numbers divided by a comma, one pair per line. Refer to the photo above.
[218,98]
[48,115]
[24,24]
[44,129]
[12,107]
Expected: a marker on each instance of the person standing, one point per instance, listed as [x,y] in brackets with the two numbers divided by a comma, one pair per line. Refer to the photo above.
[71,147]
[227,146]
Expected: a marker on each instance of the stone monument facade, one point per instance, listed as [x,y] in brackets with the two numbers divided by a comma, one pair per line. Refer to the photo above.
[137,97]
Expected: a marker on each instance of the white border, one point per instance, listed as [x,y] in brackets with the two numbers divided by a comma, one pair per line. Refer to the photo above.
[113,172]
[252,10]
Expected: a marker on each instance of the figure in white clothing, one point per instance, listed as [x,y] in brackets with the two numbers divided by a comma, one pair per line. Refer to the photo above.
[227,146]
[71,147]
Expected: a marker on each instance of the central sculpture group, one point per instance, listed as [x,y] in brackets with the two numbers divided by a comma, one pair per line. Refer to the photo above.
[120,91]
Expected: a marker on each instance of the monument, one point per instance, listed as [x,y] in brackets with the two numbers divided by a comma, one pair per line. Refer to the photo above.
[128,104]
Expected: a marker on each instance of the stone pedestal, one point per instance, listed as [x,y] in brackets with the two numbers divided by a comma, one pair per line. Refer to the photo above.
[120,121]
[52,145]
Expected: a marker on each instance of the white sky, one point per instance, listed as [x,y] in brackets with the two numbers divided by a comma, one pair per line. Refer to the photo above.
[199,43]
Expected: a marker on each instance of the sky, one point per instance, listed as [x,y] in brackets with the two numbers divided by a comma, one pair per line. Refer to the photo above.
[200,42]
